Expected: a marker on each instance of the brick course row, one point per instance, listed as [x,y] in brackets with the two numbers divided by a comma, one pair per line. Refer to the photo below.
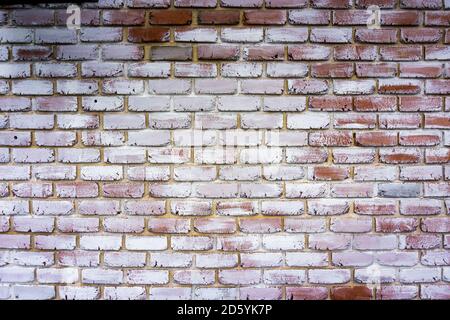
[205,149]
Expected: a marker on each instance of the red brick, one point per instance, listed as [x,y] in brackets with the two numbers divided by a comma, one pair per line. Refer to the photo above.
[391,121]
[376,35]
[420,70]
[123,17]
[263,53]
[397,292]
[309,52]
[351,293]
[161,163]
[242,3]
[336,35]
[148,3]
[306,293]
[359,52]
[401,53]
[412,103]
[399,86]
[33,17]
[400,18]
[332,70]
[215,225]
[178,53]
[391,225]
[156,34]
[351,18]
[438,18]
[227,17]
[275,17]
[376,70]
[421,35]
[89,17]
[309,86]
[437,121]
[356,121]
[421,242]
[419,139]
[418,4]
[217,52]
[335,139]
[380,3]
[332,4]
[437,52]
[331,103]
[170,17]
[437,156]
[35,53]
[196,3]
[381,139]
[329,173]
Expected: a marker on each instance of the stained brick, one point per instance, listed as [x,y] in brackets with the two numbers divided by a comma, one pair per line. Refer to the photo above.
[225,17]
[155,34]
[170,17]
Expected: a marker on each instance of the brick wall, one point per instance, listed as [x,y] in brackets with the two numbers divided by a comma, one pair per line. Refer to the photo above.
[203,149]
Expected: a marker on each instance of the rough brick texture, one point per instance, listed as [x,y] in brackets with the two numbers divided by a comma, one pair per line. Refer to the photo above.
[233,149]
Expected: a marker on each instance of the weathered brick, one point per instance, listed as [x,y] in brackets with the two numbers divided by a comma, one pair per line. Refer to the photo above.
[286,35]
[351,293]
[79,293]
[309,17]
[324,276]
[170,17]
[122,52]
[307,86]
[309,52]
[195,3]
[376,35]
[224,138]
[264,53]
[195,34]
[355,52]
[237,3]
[123,17]
[276,17]
[153,34]
[328,207]
[245,70]
[225,17]
[171,260]
[437,19]
[180,53]
[425,35]
[189,70]
[77,52]
[170,86]
[375,207]
[217,52]
[306,293]
[33,17]
[88,17]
